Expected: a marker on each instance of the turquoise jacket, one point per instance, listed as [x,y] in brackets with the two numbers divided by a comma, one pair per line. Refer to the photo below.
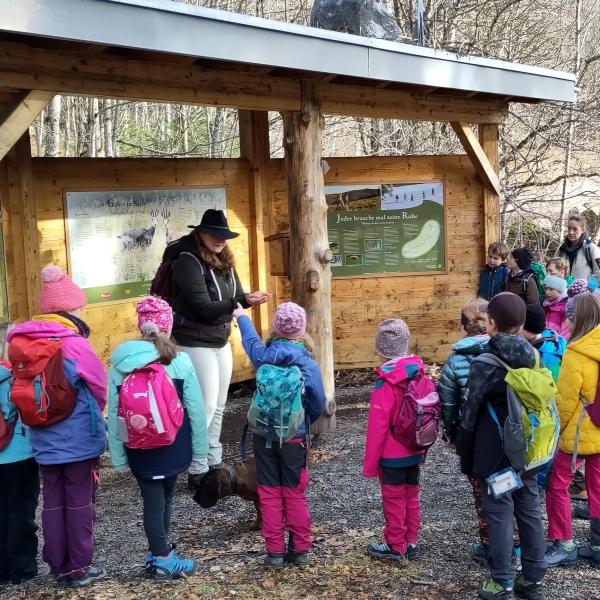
[452,385]
[19,447]
[170,460]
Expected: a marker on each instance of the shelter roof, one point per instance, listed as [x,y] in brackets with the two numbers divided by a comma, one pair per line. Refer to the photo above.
[232,41]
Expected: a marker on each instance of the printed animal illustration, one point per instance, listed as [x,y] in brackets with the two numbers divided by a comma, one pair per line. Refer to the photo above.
[140,237]
[166,215]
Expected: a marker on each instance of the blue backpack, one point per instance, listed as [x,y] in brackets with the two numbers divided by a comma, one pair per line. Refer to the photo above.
[276,409]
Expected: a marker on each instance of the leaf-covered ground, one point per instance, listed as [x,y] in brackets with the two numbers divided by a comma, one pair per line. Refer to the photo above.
[346,513]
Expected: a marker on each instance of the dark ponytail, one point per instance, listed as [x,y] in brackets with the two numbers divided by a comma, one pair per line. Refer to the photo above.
[167,351]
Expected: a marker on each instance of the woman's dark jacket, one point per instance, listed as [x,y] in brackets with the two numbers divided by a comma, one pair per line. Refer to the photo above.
[203,299]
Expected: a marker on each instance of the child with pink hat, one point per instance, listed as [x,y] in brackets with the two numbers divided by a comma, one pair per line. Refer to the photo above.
[281,472]
[156,468]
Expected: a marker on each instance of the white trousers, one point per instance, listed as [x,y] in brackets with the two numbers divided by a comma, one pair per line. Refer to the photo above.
[213,368]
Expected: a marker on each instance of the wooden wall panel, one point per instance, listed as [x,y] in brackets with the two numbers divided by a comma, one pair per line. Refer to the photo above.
[114,323]
[429,303]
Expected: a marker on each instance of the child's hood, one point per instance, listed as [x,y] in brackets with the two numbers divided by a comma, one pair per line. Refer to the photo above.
[588,345]
[475,345]
[552,343]
[288,353]
[401,369]
[41,329]
[133,355]
[514,350]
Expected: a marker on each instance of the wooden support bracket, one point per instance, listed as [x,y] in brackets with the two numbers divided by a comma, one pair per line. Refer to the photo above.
[480,160]
[17,117]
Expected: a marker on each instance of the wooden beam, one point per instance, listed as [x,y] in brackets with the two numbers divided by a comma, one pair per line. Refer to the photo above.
[255,146]
[104,75]
[310,273]
[481,162]
[488,138]
[21,243]
[18,116]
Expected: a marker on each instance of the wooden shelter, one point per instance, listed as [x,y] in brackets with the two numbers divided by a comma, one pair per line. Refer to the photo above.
[157,50]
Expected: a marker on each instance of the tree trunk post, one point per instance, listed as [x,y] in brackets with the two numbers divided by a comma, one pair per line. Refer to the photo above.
[488,138]
[310,273]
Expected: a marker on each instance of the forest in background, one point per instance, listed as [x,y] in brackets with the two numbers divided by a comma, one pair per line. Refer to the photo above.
[550,153]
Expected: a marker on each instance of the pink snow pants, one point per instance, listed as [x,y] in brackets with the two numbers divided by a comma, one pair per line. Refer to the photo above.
[282,481]
[400,499]
[558,502]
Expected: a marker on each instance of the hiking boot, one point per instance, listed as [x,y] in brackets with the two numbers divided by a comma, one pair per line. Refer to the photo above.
[491,589]
[274,560]
[300,559]
[528,589]
[581,511]
[172,566]
[93,574]
[382,550]
[481,553]
[412,552]
[591,553]
[559,556]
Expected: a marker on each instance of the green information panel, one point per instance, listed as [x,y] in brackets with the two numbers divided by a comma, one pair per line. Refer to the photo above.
[386,229]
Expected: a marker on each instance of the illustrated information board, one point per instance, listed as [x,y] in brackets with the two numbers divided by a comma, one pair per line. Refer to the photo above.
[116,239]
[391,228]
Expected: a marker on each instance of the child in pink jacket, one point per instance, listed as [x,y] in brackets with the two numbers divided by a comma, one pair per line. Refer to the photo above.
[396,466]
[555,305]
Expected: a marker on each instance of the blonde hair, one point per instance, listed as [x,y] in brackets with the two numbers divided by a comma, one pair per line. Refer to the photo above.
[587,316]
[166,348]
[473,317]
[560,263]
[224,261]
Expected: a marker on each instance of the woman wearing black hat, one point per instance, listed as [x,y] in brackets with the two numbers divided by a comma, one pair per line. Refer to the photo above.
[205,289]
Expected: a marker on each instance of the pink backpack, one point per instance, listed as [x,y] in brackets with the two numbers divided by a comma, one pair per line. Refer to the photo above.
[417,414]
[150,411]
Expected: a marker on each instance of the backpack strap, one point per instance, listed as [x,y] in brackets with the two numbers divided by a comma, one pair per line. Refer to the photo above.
[587,252]
[578,431]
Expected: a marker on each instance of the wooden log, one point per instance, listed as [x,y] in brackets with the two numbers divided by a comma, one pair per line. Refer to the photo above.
[16,118]
[488,138]
[310,273]
[486,171]
[255,146]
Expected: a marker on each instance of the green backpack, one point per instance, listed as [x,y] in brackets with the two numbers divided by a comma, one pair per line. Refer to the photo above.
[276,409]
[530,433]
[539,274]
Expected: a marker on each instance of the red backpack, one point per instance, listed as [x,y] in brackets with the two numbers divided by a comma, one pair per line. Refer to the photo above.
[416,417]
[40,390]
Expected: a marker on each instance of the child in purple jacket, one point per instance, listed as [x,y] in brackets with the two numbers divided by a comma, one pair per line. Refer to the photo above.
[281,471]
[68,451]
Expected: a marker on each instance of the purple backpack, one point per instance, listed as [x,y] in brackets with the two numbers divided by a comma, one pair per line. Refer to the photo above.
[416,417]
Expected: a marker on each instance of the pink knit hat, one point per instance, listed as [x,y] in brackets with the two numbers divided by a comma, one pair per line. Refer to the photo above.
[59,292]
[289,321]
[154,315]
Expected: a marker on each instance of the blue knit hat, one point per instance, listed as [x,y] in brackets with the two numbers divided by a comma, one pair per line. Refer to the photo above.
[554,282]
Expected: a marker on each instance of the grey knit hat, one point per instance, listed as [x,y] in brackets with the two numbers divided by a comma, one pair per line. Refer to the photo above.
[392,338]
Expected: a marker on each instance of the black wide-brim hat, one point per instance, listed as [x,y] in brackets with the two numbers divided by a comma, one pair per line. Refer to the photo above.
[215,223]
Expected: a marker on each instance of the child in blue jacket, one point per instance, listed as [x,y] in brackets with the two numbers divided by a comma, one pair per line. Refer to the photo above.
[156,470]
[19,489]
[281,469]
[492,278]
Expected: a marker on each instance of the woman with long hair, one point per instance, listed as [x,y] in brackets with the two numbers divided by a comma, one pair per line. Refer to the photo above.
[578,249]
[205,290]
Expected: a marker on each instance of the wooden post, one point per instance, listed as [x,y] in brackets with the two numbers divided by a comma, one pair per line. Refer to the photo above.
[310,273]
[21,241]
[255,146]
[488,138]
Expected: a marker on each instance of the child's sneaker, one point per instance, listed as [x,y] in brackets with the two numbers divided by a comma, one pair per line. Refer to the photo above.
[516,559]
[491,589]
[300,559]
[591,553]
[382,550]
[412,552]
[561,555]
[172,566]
[527,589]
[93,573]
[274,560]
[481,553]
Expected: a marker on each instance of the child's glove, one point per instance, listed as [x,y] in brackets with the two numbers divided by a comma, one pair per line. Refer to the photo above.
[239,311]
